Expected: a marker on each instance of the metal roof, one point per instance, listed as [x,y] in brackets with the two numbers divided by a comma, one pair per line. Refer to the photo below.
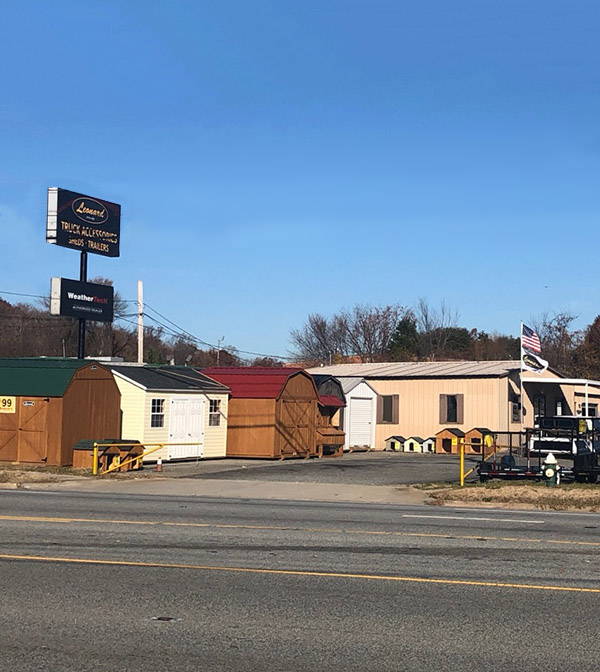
[447,369]
[255,382]
[38,376]
[168,378]
[350,382]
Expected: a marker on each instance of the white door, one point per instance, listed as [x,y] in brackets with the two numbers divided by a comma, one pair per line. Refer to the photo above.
[186,425]
[361,422]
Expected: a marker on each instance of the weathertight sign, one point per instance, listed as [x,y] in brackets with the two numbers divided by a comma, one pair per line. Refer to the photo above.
[85,300]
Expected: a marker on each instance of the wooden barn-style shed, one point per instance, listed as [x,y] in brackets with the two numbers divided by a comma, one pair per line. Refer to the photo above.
[414,444]
[175,405]
[474,439]
[446,440]
[272,411]
[47,405]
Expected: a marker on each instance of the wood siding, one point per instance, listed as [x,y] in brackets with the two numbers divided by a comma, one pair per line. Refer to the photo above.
[91,409]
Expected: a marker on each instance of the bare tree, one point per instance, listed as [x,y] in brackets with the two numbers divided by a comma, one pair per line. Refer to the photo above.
[434,326]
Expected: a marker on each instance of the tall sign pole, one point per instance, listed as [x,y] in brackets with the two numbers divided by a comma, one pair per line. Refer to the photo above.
[84,224]
[140,321]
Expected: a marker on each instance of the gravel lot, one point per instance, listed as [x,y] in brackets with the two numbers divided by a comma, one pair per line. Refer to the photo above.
[356,469]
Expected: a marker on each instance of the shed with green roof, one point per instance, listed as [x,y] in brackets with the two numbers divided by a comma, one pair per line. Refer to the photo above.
[49,404]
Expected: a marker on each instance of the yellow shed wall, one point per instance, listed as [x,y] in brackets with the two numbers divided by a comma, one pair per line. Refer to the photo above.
[132,410]
[215,438]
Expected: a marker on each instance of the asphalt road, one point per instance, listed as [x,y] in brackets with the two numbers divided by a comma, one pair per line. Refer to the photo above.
[376,468]
[251,585]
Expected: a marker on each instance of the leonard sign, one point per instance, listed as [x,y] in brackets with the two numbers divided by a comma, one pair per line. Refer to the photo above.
[83,223]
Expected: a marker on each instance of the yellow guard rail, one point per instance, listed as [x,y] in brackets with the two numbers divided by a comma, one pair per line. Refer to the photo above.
[118,464]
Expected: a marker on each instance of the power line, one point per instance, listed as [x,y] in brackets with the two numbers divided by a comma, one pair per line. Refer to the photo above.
[212,345]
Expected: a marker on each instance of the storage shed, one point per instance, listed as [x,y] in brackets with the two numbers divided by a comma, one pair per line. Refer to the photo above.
[413,445]
[272,411]
[47,405]
[474,439]
[395,443]
[330,437]
[359,418]
[173,404]
[429,445]
[446,440]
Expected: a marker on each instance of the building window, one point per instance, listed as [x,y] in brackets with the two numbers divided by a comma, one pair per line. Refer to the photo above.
[558,407]
[157,413]
[539,405]
[387,409]
[516,411]
[214,413]
[590,412]
[451,408]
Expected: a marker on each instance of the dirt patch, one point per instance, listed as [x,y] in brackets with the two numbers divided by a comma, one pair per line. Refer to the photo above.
[576,496]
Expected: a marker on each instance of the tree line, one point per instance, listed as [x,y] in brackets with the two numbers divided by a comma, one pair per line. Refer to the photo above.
[367,333]
[30,331]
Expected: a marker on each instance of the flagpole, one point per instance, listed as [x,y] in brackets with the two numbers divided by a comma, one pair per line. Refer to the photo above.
[521,404]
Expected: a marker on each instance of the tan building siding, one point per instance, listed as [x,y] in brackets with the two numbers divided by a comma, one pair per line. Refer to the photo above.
[419,405]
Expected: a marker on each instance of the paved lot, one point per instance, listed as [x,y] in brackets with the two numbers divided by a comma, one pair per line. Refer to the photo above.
[377,468]
[291,587]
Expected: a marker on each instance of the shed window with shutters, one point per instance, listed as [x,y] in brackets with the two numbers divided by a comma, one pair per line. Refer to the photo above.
[157,413]
[451,409]
[387,409]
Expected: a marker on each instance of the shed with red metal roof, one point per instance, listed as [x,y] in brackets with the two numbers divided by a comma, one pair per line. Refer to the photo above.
[272,411]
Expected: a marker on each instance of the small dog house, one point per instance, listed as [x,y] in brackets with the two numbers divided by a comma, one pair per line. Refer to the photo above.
[413,445]
[272,411]
[475,440]
[446,440]
[47,405]
[429,445]
[395,443]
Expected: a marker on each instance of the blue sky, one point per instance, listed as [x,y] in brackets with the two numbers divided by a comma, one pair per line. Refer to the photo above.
[276,158]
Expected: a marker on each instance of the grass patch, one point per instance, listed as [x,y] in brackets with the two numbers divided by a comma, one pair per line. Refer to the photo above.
[580,496]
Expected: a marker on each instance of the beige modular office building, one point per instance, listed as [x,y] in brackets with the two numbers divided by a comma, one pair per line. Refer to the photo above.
[422,398]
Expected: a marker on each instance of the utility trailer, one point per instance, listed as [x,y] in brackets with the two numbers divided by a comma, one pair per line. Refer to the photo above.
[573,440]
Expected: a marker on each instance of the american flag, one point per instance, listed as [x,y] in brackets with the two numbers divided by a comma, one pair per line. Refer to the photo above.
[530,340]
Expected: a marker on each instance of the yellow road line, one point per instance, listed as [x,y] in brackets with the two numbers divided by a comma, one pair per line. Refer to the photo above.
[294,572]
[315,530]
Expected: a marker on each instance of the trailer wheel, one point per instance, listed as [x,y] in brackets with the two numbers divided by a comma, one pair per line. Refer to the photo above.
[593,477]
[581,478]
[483,479]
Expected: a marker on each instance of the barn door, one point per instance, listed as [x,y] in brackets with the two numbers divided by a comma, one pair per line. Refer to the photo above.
[297,427]
[186,425]
[9,423]
[33,435]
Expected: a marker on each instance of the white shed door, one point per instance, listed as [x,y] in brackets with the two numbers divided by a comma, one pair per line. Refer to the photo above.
[186,425]
[361,422]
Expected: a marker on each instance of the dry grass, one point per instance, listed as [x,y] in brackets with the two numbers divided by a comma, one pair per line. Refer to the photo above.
[579,496]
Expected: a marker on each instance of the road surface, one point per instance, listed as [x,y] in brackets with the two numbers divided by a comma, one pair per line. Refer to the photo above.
[109,583]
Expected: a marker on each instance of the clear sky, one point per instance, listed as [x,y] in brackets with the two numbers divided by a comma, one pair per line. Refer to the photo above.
[276,158]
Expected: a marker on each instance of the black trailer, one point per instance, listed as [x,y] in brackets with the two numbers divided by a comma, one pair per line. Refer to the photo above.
[573,440]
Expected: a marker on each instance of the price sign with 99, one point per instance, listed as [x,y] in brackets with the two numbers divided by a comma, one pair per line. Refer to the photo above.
[8,405]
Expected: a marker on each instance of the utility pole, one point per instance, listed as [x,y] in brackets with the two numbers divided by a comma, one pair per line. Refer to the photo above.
[219,343]
[140,321]
[83,278]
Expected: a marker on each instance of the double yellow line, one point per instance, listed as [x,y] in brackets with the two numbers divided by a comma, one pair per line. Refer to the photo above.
[293,572]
